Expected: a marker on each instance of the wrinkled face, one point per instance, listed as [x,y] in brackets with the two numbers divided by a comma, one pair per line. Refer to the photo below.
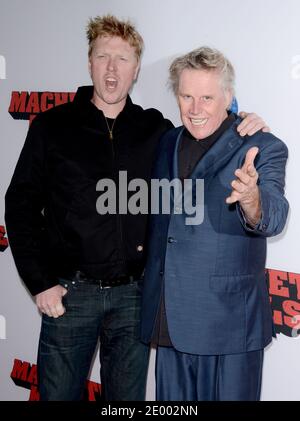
[113,67]
[202,101]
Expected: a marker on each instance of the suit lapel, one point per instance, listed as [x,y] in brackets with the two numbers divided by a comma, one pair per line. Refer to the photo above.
[173,156]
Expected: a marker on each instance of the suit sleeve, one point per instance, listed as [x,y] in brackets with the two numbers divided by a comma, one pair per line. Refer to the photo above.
[270,165]
[24,204]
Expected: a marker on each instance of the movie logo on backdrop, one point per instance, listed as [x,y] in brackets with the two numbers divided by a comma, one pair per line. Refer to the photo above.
[284,292]
[26,105]
[24,375]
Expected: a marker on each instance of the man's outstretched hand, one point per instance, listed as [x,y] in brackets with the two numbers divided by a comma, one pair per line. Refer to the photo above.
[245,189]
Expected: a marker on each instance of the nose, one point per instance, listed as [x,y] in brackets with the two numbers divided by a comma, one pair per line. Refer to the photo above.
[195,108]
[111,64]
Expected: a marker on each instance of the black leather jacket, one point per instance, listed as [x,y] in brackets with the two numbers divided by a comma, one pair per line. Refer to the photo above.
[51,218]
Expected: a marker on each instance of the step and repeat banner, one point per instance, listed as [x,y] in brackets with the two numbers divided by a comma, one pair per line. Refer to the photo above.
[43,59]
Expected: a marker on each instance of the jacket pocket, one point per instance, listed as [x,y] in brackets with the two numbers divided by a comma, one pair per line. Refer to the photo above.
[231,283]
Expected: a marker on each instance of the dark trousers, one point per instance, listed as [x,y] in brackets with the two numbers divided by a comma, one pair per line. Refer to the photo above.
[67,344]
[187,377]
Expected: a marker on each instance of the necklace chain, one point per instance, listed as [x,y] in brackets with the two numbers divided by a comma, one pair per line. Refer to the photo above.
[110,129]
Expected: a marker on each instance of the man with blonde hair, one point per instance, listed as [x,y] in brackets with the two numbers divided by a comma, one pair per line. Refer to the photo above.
[85,268]
[205,297]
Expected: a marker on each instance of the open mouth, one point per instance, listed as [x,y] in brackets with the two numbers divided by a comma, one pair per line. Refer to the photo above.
[111,83]
[199,121]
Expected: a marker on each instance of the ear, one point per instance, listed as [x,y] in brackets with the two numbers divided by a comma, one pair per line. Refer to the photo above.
[137,70]
[228,98]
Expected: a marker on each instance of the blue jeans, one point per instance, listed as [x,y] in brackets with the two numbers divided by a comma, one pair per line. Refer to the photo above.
[67,344]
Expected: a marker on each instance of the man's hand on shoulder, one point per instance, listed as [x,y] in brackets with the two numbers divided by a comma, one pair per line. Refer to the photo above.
[251,124]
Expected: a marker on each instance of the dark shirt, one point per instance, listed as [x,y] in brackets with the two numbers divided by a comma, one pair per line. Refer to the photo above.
[190,151]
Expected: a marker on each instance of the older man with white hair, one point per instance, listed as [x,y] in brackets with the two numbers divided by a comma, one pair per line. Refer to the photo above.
[205,299]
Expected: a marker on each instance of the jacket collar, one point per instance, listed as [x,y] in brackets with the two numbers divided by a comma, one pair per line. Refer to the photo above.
[91,116]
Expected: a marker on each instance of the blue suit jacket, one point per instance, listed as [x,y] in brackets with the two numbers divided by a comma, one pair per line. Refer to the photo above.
[213,274]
